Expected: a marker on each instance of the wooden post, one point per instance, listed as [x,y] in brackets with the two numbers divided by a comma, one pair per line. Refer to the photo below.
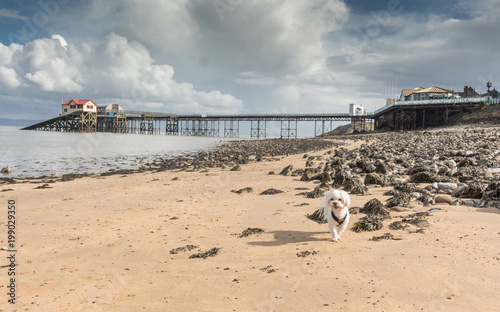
[423,119]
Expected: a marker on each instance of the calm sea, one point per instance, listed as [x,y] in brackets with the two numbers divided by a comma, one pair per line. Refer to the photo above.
[35,153]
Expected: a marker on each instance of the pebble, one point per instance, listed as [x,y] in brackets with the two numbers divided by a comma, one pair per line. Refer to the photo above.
[439,199]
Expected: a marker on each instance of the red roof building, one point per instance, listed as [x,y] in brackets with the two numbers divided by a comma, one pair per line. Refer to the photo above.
[72,106]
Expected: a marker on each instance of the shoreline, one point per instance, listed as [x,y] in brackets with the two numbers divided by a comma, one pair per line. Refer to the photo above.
[165,162]
[222,155]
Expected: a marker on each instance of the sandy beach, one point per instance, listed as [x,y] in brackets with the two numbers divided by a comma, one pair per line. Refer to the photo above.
[107,244]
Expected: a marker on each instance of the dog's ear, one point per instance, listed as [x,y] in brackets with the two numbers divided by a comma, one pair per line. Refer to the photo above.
[326,197]
[345,198]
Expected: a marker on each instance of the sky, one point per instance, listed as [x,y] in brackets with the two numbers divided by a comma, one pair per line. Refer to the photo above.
[240,56]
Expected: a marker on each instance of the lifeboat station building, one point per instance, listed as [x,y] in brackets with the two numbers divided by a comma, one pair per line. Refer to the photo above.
[78,106]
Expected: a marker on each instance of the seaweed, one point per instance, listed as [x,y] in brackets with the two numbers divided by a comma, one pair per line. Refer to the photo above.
[316,193]
[385,236]
[268,269]
[243,190]
[376,208]
[401,199]
[417,219]
[250,231]
[359,190]
[211,253]
[397,225]
[317,216]
[340,178]
[183,249]
[306,253]
[368,223]
[271,191]
[351,183]
[424,177]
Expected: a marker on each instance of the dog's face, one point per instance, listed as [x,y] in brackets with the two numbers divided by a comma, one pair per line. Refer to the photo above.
[337,200]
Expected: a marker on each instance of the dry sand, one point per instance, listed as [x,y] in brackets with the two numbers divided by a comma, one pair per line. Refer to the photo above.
[103,244]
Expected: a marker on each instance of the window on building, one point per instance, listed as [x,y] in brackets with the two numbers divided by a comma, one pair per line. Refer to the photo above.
[65,110]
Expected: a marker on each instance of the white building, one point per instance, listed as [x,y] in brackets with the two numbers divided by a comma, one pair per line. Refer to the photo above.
[72,106]
[357,110]
[109,109]
[424,94]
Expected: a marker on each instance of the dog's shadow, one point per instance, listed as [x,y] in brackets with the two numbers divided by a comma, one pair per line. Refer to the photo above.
[292,237]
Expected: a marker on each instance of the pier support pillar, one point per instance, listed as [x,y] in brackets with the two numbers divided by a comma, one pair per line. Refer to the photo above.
[231,128]
[119,123]
[88,122]
[172,127]
[423,119]
[258,129]
[147,124]
[288,128]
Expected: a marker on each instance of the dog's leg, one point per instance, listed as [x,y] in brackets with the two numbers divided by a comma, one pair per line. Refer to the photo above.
[333,231]
[343,226]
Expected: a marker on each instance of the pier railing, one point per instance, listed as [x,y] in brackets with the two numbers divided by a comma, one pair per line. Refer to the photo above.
[437,102]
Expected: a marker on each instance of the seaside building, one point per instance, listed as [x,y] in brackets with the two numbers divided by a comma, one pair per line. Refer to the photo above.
[357,110]
[469,92]
[73,106]
[109,109]
[423,94]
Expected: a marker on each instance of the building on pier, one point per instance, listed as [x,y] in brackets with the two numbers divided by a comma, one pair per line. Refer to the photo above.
[424,94]
[109,109]
[357,110]
[78,106]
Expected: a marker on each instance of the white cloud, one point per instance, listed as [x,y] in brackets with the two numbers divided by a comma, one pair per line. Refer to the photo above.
[8,77]
[113,68]
[6,53]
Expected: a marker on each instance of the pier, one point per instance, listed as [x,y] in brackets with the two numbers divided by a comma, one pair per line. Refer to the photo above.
[399,115]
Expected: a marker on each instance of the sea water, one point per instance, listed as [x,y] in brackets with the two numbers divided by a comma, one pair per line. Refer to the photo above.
[37,153]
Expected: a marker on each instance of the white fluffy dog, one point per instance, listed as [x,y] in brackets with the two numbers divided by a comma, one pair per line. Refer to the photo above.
[335,207]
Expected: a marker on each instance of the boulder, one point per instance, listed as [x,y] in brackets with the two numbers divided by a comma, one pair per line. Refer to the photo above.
[287,170]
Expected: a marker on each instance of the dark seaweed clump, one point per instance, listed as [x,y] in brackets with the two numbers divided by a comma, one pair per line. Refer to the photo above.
[400,199]
[306,253]
[183,249]
[417,219]
[316,193]
[317,216]
[385,236]
[243,190]
[211,253]
[368,223]
[251,231]
[271,191]
[397,225]
[376,208]
[268,269]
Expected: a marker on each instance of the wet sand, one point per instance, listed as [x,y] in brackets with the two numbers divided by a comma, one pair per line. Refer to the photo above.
[103,244]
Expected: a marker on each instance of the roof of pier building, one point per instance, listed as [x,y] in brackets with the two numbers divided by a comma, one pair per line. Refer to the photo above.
[433,89]
[78,102]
